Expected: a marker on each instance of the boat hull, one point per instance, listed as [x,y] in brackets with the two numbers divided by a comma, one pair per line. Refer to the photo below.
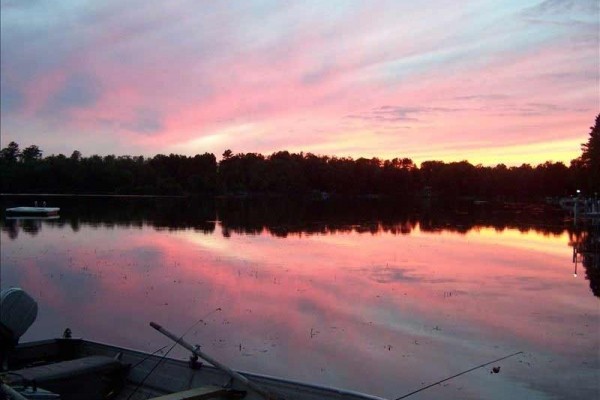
[33,211]
[172,375]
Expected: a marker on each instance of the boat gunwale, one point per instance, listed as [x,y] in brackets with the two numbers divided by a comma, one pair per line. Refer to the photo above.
[272,379]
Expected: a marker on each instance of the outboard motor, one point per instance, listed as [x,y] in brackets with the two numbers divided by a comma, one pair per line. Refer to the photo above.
[18,311]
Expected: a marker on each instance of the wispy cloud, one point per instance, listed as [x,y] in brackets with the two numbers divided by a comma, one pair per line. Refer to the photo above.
[400,113]
[564,11]
[325,77]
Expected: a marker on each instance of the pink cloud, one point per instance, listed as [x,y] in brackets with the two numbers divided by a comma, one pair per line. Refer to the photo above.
[169,80]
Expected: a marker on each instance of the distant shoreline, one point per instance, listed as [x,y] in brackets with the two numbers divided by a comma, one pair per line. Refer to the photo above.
[90,195]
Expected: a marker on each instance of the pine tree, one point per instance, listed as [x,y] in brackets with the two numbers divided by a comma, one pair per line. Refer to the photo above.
[590,157]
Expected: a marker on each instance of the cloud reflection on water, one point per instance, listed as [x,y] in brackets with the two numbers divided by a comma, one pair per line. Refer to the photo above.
[377,312]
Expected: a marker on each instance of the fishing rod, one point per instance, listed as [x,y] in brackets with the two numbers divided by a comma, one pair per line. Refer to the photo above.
[196,351]
[168,351]
[459,374]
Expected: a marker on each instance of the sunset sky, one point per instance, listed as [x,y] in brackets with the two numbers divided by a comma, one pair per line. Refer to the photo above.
[507,81]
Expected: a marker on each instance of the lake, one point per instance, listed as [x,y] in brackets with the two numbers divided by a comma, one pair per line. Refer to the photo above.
[374,296]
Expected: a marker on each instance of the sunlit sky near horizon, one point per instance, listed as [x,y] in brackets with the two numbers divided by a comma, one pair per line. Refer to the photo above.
[487,81]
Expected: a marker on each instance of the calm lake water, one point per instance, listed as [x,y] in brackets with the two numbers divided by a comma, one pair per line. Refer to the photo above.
[377,297]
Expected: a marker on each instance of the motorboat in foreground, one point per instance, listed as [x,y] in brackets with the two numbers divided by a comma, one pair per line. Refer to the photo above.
[71,369]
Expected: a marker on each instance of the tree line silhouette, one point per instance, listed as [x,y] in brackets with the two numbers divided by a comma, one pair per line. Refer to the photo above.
[27,171]
[294,216]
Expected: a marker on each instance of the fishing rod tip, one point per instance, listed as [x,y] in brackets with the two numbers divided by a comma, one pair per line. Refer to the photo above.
[155,325]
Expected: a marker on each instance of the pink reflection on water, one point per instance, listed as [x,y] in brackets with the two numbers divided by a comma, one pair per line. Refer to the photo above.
[376,313]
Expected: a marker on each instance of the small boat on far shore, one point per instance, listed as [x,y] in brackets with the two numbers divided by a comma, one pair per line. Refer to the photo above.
[33,211]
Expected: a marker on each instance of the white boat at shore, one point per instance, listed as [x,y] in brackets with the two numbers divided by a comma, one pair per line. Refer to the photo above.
[38,211]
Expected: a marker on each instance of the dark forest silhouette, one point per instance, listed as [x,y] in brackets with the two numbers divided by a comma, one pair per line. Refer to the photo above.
[27,171]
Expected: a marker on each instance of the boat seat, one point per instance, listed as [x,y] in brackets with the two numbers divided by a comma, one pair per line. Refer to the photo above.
[202,393]
[68,369]
[90,378]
